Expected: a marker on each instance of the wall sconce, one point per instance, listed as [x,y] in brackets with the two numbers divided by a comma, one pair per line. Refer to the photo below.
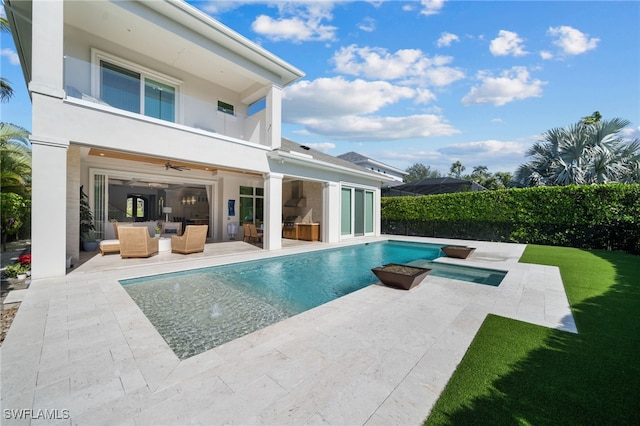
[187,201]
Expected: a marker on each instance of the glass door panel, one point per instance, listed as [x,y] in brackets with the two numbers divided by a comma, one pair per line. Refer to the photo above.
[159,100]
[358,212]
[368,212]
[120,87]
[345,213]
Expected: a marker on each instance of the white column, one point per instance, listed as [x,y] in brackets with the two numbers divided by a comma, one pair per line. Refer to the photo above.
[332,213]
[273,112]
[273,211]
[47,63]
[377,212]
[49,154]
[48,207]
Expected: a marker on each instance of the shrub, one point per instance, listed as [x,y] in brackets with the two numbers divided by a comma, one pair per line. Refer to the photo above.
[587,216]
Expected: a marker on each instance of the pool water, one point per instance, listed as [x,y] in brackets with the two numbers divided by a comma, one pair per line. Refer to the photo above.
[200,309]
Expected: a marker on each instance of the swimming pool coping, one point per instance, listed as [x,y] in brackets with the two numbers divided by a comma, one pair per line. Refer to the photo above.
[82,344]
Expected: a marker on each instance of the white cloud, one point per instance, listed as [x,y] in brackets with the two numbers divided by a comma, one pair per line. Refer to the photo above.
[507,43]
[545,54]
[371,128]
[334,97]
[511,85]
[442,76]
[11,55]
[322,146]
[498,156]
[572,41]
[341,109]
[304,23]
[410,65]
[424,96]
[367,24]
[630,133]
[484,148]
[431,7]
[216,7]
[446,39]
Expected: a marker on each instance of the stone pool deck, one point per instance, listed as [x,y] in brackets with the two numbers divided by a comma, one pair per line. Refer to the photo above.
[378,356]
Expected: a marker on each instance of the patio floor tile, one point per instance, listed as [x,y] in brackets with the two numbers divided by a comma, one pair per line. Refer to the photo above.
[376,356]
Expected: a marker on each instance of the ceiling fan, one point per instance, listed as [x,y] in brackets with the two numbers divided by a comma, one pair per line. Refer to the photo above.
[178,168]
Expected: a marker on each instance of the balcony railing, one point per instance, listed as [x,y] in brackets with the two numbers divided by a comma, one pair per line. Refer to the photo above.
[81,81]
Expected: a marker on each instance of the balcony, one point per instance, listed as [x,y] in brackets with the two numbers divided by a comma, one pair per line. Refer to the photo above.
[149,96]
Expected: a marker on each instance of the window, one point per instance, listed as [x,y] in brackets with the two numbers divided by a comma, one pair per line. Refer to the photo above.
[132,88]
[120,87]
[136,207]
[226,108]
[257,106]
[251,205]
[159,100]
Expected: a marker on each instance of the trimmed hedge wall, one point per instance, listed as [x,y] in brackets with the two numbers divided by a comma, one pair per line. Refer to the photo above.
[586,216]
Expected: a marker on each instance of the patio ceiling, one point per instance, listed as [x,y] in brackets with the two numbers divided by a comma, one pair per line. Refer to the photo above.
[161,162]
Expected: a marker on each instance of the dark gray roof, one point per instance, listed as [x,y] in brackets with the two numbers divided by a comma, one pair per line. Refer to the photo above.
[353,157]
[431,186]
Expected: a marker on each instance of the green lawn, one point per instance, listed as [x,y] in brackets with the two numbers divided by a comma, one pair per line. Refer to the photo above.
[518,373]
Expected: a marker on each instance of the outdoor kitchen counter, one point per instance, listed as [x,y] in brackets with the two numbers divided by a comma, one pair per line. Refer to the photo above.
[308,231]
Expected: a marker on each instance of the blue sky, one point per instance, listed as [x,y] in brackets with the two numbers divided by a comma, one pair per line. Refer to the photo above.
[434,81]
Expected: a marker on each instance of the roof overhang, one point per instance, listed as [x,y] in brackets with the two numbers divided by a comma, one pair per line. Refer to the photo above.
[308,161]
[386,166]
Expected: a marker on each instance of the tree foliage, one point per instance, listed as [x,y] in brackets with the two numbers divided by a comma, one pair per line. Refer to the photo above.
[15,160]
[590,151]
[456,169]
[418,171]
[15,179]
[6,91]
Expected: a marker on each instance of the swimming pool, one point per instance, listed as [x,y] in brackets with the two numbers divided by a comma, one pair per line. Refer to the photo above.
[200,309]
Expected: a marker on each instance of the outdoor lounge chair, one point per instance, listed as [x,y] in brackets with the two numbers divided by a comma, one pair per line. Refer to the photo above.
[112,246]
[192,241]
[136,242]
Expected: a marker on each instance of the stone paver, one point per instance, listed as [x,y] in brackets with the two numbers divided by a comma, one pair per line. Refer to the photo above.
[376,356]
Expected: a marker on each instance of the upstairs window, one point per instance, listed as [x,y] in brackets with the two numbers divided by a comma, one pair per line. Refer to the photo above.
[132,88]
[226,108]
[120,87]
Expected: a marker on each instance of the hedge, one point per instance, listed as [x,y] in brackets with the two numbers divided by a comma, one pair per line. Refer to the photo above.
[587,216]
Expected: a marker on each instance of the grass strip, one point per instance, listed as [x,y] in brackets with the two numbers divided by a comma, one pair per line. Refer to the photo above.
[519,373]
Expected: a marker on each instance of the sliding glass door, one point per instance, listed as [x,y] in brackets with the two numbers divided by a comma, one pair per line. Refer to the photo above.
[357,212]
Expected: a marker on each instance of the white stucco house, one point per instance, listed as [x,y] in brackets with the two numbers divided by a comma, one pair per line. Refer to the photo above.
[154,104]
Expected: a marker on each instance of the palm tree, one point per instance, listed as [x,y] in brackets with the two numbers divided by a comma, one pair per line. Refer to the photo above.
[6,91]
[456,169]
[591,151]
[4,25]
[15,160]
